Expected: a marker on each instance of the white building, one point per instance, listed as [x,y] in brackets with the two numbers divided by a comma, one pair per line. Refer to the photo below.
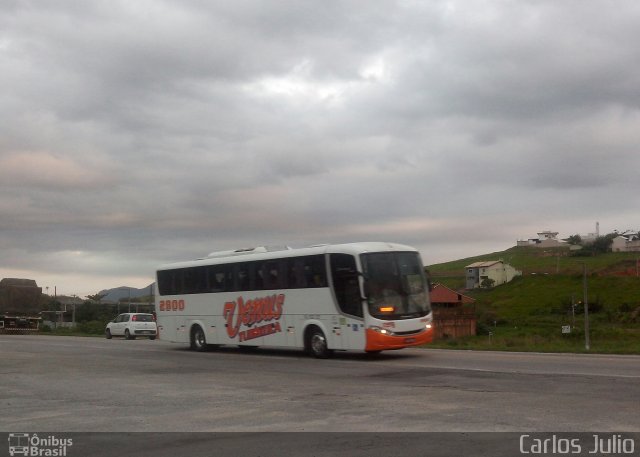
[497,270]
[626,243]
[546,239]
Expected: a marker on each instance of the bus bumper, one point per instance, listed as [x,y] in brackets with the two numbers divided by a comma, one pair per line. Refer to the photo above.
[379,342]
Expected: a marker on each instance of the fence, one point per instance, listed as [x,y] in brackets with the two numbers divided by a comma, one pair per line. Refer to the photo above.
[454,322]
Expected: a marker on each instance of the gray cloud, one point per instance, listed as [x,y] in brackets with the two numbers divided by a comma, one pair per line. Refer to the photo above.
[134,133]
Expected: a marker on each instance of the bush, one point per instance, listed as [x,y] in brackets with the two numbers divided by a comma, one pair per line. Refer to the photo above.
[487,283]
[482,328]
[91,327]
[596,306]
[625,308]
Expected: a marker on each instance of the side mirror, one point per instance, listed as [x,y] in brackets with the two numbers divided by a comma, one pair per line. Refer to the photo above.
[366,288]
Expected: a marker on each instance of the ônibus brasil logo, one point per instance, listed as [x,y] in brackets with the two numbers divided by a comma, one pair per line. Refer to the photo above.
[267,310]
[33,445]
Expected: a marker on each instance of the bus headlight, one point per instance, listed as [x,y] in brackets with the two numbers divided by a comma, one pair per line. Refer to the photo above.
[428,321]
[382,331]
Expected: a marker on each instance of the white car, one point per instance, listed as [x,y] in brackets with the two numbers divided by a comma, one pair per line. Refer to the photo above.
[131,325]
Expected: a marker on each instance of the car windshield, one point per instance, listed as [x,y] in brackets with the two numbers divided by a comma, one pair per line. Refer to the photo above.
[396,285]
[143,318]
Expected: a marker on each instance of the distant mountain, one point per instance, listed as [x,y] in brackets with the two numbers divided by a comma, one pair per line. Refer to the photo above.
[116,294]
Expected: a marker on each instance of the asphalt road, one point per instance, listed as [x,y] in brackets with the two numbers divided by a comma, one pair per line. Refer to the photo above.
[68,384]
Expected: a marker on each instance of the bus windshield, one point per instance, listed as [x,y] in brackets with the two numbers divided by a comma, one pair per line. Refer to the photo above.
[396,285]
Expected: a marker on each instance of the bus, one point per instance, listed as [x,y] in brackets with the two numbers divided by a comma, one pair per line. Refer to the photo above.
[367,297]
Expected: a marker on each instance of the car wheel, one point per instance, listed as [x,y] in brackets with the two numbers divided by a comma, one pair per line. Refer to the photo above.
[107,334]
[128,335]
[152,337]
[198,339]
[318,344]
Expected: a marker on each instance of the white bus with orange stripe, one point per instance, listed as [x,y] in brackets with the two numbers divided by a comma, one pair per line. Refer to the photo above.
[357,297]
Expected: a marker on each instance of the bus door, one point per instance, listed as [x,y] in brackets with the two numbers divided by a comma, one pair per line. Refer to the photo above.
[346,292]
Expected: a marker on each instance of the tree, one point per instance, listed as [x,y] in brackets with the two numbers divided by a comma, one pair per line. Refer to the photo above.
[575,239]
[96,297]
[602,244]
[487,283]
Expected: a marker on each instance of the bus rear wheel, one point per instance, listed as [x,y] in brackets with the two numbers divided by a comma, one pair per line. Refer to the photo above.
[198,339]
[317,344]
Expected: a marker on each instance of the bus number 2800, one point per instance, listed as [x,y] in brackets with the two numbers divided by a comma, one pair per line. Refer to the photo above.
[171,305]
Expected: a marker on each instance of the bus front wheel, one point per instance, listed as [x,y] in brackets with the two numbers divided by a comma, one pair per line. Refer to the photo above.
[198,339]
[318,344]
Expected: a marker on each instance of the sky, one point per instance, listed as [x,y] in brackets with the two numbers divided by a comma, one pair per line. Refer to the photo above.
[137,133]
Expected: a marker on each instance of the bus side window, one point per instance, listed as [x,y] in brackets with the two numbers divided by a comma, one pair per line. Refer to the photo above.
[258,281]
[229,273]
[242,279]
[217,278]
[171,281]
[194,280]
[295,273]
[314,271]
[165,282]
[272,277]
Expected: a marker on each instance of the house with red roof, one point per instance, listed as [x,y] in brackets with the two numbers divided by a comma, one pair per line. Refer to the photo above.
[453,313]
[443,297]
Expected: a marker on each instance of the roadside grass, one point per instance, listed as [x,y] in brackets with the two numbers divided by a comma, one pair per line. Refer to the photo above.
[90,328]
[603,340]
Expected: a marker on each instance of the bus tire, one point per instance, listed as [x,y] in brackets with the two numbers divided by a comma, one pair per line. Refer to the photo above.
[198,339]
[317,344]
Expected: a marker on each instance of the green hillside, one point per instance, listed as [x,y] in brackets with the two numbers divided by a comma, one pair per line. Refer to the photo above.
[528,313]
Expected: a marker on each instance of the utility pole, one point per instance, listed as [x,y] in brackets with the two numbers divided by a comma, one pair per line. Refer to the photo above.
[73,315]
[573,311]
[152,299]
[587,344]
